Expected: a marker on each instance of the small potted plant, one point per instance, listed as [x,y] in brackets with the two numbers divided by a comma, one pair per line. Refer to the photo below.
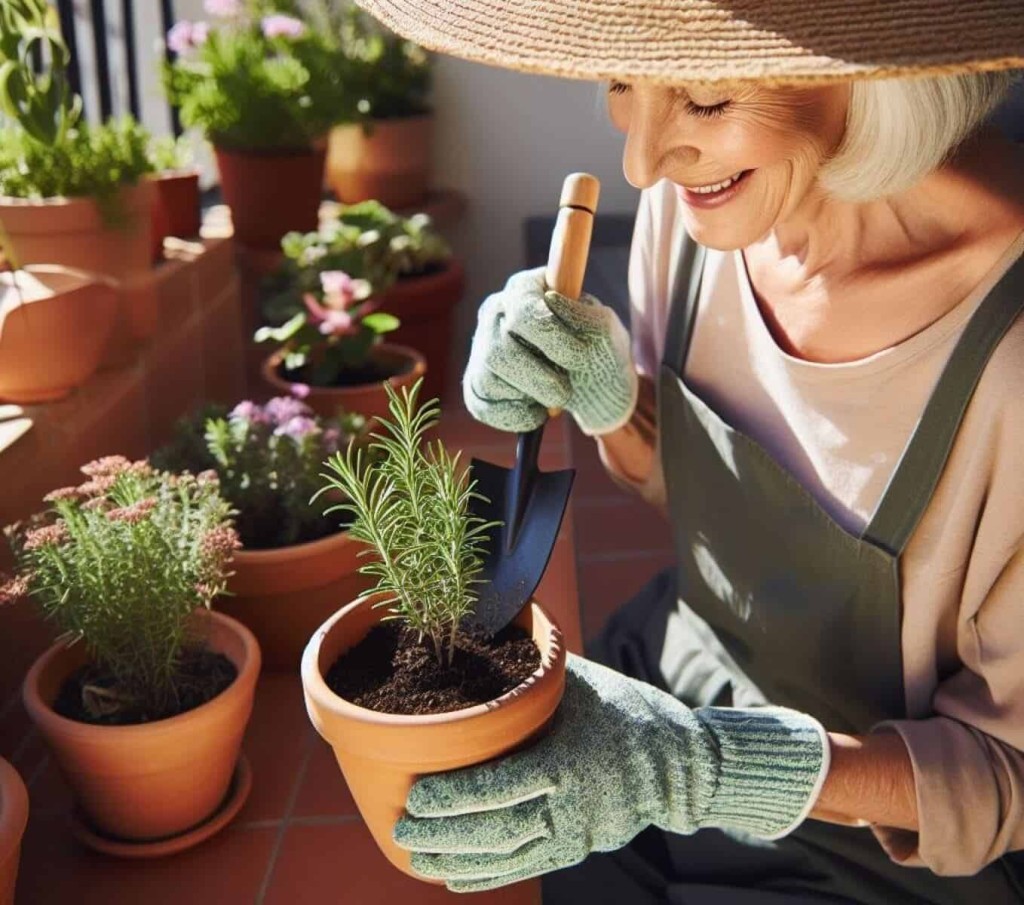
[397,681]
[13,818]
[176,208]
[383,153]
[264,87]
[144,700]
[295,563]
[330,351]
[55,323]
[70,193]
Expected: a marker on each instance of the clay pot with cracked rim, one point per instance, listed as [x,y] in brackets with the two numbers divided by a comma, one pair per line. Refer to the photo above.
[53,344]
[382,754]
[13,818]
[150,781]
[283,595]
[370,399]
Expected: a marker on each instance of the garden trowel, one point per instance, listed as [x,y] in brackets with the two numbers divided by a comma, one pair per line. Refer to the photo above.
[529,504]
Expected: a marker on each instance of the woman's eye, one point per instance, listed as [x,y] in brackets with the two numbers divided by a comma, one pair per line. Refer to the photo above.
[618,88]
[707,112]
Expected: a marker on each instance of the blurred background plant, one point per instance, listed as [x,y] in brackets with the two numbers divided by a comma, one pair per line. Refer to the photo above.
[268,459]
[170,154]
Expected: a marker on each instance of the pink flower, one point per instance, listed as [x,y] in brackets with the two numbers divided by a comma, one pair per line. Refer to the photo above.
[248,411]
[281,409]
[106,466]
[133,514]
[339,286]
[299,390]
[298,428]
[50,535]
[330,321]
[62,493]
[279,26]
[183,36]
[13,589]
[222,9]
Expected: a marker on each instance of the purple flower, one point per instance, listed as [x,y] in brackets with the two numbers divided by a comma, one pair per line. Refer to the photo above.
[299,390]
[200,32]
[248,411]
[223,9]
[298,428]
[282,409]
[279,26]
[332,439]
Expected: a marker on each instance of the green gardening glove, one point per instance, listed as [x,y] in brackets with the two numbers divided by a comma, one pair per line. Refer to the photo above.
[620,756]
[535,350]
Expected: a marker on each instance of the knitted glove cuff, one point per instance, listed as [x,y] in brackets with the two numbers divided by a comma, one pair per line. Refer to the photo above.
[773,763]
[624,419]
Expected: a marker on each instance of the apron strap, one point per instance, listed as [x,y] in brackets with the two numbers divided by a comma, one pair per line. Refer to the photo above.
[683,308]
[913,482]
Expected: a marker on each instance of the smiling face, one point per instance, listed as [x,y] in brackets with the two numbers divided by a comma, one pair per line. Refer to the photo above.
[743,158]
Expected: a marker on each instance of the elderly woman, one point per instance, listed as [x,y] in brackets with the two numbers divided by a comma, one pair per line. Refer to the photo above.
[823,388]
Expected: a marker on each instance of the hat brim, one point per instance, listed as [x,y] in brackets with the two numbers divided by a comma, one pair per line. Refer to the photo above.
[684,41]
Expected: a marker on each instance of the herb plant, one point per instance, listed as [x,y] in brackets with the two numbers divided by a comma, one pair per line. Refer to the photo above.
[254,79]
[121,563]
[412,508]
[168,154]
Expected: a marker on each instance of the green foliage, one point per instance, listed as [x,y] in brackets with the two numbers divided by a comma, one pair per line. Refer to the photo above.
[268,459]
[41,104]
[121,563]
[412,507]
[167,154]
[249,91]
[90,161]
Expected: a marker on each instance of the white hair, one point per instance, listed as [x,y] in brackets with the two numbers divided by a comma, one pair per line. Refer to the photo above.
[900,130]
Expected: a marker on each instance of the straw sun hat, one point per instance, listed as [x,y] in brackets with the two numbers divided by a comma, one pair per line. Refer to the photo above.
[718,40]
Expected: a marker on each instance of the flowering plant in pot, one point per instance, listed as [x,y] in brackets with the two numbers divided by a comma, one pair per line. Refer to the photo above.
[383,151]
[145,698]
[295,562]
[264,87]
[398,681]
[176,207]
[71,193]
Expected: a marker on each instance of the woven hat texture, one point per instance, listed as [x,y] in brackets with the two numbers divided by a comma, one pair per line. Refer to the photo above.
[718,40]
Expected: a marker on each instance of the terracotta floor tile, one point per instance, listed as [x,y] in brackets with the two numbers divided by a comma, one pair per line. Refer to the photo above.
[323,792]
[276,743]
[55,869]
[341,865]
[606,525]
[607,584]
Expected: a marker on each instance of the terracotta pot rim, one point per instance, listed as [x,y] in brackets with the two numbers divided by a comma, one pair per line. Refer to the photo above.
[13,809]
[316,686]
[170,175]
[338,539]
[271,362]
[386,120]
[311,150]
[43,714]
[71,200]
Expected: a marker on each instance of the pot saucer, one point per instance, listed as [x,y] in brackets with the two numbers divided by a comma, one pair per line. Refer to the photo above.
[238,792]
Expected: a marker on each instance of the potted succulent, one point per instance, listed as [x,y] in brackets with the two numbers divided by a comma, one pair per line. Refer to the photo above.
[55,323]
[144,700]
[396,681]
[295,563]
[264,87]
[13,817]
[176,208]
[384,151]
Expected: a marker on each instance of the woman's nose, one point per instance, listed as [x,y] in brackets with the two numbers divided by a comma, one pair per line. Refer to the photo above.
[654,146]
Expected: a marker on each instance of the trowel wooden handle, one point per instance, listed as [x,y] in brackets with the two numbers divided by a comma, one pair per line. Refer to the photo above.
[570,241]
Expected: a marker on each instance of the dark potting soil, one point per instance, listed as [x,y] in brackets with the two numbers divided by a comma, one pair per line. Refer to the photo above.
[391,671]
[204,674]
[371,372]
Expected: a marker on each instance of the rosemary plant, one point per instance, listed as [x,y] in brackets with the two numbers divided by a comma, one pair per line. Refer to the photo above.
[121,563]
[411,506]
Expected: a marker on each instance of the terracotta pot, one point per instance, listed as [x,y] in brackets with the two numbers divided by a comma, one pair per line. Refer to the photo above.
[152,780]
[271,194]
[71,232]
[369,399]
[426,308]
[382,754]
[13,817]
[176,208]
[392,164]
[284,595]
[50,345]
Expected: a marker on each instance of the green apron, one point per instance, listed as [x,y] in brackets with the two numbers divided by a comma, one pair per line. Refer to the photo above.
[773,601]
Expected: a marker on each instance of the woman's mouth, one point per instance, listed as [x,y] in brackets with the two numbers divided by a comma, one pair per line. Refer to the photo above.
[713,194]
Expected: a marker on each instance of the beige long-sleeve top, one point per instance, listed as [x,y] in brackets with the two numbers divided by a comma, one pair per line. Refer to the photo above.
[840,430]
